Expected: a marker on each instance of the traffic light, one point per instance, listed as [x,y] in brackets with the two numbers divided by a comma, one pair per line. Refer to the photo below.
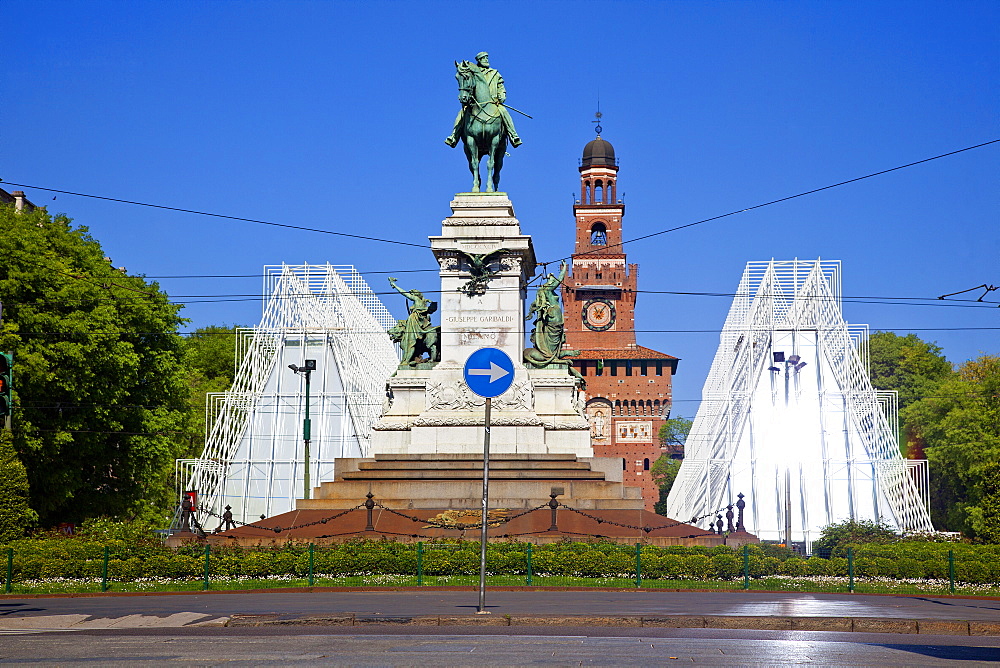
[6,366]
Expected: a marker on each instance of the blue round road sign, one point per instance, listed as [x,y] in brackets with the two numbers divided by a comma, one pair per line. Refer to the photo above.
[489,372]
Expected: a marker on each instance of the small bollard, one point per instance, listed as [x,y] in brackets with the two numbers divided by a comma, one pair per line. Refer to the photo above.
[311,549]
[528,582]
[369,506]
[553,507]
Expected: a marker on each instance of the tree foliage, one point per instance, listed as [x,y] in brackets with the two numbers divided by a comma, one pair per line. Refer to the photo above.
[673,435]
[209,366]
[913,368]
[959,423]
[99,397]
[15,514]
[907,364]
[664,472]
[674,432]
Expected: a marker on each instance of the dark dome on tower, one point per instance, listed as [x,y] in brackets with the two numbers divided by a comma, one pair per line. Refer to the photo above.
[599,153]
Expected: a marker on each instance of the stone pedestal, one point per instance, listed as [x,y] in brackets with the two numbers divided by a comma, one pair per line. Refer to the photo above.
[433,411]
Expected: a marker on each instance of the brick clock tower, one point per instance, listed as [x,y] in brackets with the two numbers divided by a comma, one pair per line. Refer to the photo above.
[628,385]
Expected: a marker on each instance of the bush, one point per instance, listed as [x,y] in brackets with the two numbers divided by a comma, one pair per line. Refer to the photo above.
[854,532]
[697,566]
[818,566]
[81,557]
[910,568]
[793,567]
[726,566]
[838,566]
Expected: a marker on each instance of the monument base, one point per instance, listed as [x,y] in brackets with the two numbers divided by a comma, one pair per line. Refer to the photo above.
[455,482]
[434,413]
[430,497]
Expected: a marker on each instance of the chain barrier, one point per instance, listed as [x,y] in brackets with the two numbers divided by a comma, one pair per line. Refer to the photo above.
[459,526]
[323,520]
[645,529]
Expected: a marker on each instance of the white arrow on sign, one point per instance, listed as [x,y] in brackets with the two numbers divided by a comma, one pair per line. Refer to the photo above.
[495,372]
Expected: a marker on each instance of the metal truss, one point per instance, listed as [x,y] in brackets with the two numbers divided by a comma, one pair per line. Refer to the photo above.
[253,458]
[788,406]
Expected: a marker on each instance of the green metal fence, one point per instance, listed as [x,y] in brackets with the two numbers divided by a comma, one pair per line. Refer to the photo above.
[78,565]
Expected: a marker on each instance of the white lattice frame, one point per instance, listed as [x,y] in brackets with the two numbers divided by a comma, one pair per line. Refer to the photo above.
[332,300]
[766,298]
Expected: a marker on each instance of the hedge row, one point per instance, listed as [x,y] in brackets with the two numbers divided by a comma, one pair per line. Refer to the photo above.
[76,558]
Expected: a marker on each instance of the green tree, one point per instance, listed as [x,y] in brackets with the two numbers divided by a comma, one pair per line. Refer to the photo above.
[99,394]
[15,514]
[960,426]
[913,368]
[664,472]
[987,517]
[674,432]
[673,435]
[209,360]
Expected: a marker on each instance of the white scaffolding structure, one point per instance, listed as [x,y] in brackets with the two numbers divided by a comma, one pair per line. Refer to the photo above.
[789,411]
[253,458]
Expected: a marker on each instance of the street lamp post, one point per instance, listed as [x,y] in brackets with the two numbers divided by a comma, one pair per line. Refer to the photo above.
[306,369]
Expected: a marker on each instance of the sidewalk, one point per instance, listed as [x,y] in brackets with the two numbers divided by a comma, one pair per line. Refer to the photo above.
[593,608]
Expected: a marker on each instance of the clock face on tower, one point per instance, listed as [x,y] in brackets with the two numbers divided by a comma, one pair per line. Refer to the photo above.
[599,314]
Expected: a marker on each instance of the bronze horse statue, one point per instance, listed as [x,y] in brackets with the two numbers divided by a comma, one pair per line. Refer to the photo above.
[482,127]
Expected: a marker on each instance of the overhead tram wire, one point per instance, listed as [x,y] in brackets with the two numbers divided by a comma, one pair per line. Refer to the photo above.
[218,215]
[604,249]
[898,301]
[247,297]
[407,243]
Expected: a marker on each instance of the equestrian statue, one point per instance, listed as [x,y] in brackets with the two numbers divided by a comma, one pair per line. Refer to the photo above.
[483,123]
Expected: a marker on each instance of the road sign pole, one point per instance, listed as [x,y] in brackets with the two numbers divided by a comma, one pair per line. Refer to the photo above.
[486,496]
[489,373]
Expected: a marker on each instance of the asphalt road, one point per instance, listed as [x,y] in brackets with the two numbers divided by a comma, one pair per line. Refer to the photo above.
[526,647]
[425,602]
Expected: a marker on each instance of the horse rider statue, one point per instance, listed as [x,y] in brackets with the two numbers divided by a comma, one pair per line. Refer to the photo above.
[498,94]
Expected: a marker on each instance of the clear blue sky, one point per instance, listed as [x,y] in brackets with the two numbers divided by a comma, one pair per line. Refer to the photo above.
[332,115]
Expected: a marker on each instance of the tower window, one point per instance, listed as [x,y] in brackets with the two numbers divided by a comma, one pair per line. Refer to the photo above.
[599,235]
[645,464]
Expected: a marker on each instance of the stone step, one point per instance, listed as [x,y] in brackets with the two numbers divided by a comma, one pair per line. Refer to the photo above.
[474,457]
[513,503]
[474,474]
[349,493]
[471,464]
